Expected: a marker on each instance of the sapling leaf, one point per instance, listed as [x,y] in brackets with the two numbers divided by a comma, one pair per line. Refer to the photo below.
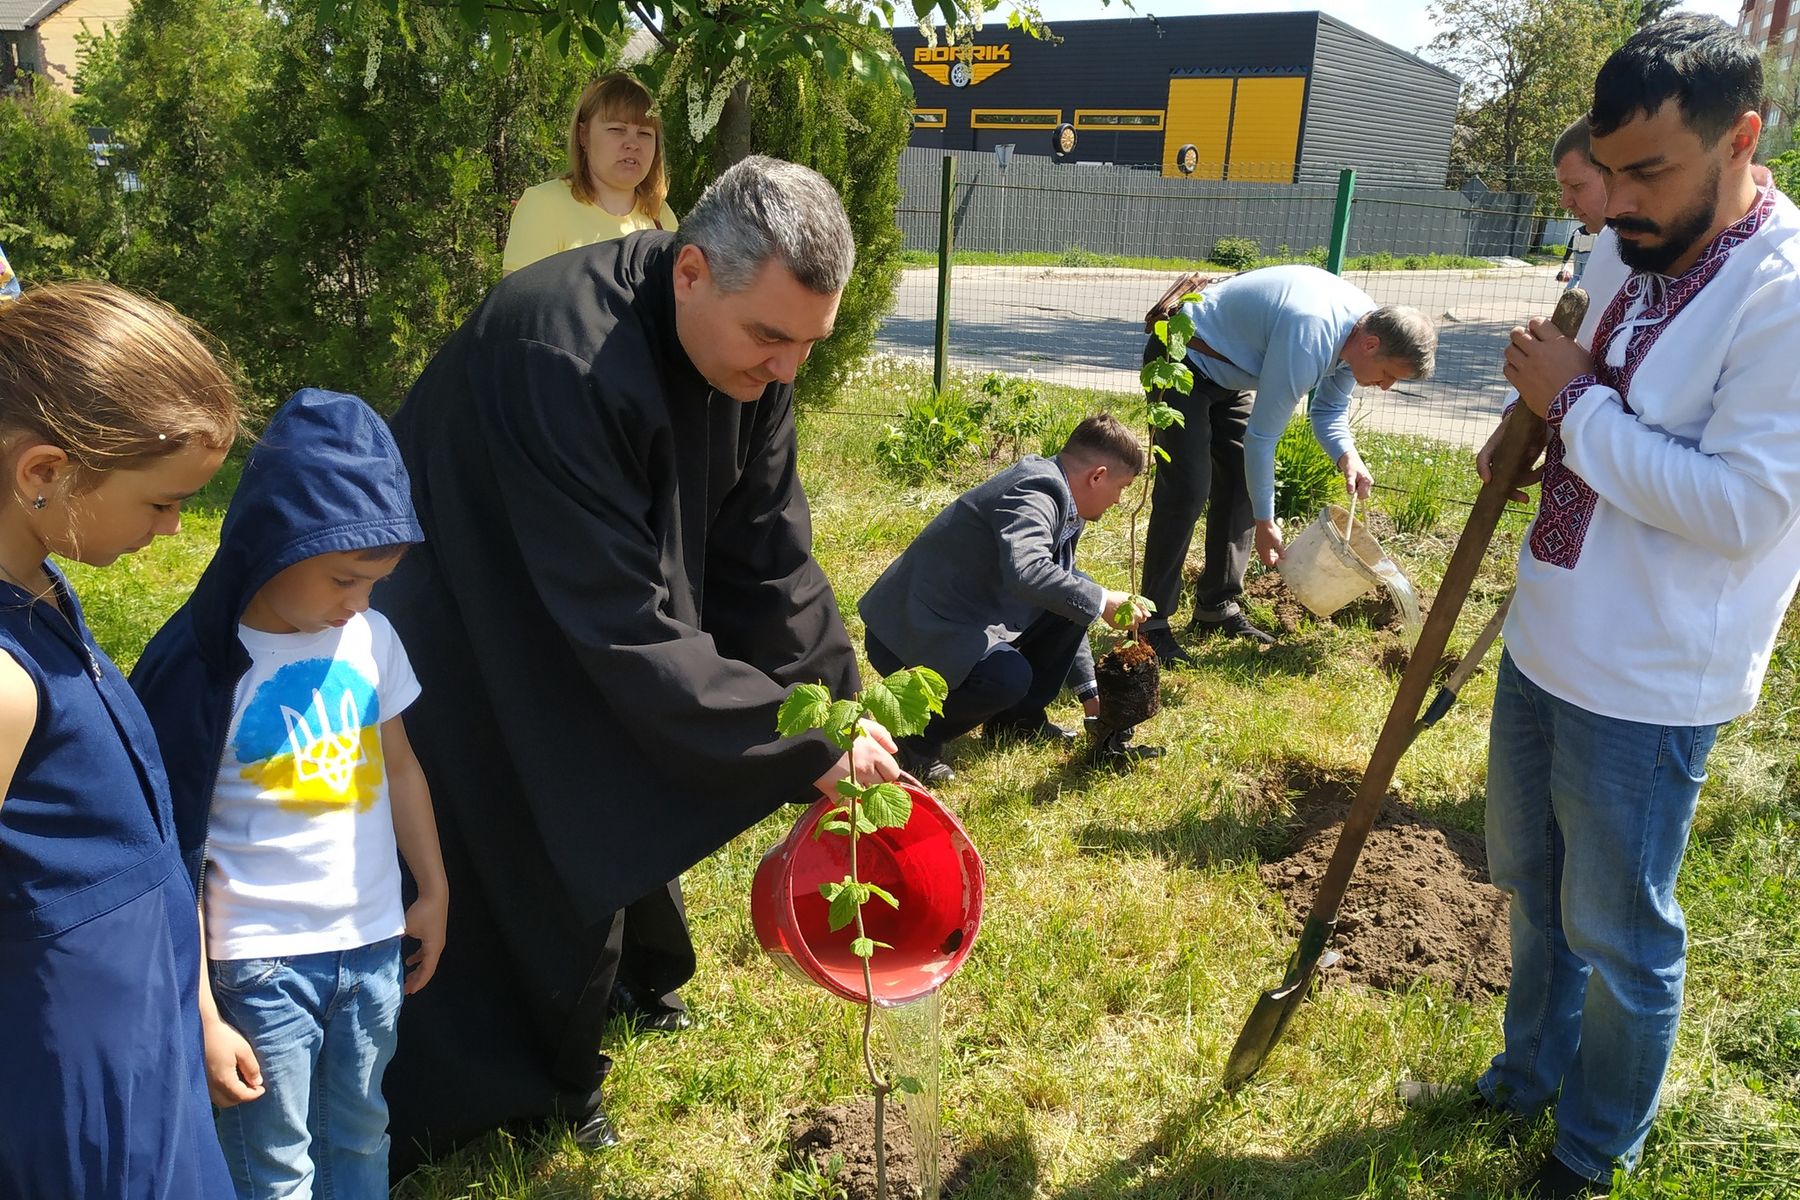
[1161,330]
[862,947]
[887,805]
[803,710]
[830,891]
[843,908]
[1180,329]
[885,707]
[863,824]
[842,827]
[849,789]
[1161,454]
[907,1085]
[920,693]
[840,722]
[880,893]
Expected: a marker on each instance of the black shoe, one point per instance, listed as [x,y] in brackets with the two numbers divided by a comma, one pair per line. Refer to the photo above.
[1047,732]
[1115,745]
[660,1016]
[928,769]
[1236,625]
[1163,642]
[1556,1180]
[596,1131]
[669,1020]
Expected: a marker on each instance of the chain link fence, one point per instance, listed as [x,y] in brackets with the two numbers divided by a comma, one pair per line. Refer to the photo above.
[1055,265]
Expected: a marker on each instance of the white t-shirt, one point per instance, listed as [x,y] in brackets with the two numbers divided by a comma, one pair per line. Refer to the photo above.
[300,848]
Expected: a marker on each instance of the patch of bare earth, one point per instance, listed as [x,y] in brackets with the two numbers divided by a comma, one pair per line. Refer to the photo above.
[839,1140]
[1419,905]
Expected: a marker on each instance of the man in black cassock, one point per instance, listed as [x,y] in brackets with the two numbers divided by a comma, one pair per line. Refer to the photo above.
[616,592]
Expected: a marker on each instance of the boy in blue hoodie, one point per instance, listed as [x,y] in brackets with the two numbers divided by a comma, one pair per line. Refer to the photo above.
[276,697]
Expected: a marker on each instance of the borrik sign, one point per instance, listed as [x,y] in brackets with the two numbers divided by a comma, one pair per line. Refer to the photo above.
[961,66]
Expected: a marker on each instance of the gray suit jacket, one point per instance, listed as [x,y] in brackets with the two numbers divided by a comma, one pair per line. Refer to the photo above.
[986,567]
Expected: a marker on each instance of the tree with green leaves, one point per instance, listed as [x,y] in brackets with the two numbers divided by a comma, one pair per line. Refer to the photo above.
[329,200]
[720,47]
[173,84]
[59,214]
[1528,69]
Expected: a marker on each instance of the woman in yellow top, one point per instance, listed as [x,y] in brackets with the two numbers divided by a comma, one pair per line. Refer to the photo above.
[615,183]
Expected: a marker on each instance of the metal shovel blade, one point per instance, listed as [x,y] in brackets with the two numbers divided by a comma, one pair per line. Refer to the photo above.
[1276,1007]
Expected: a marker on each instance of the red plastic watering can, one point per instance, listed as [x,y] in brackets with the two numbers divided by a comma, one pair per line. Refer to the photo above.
[931,868]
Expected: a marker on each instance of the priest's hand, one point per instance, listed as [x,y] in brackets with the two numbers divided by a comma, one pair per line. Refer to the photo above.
[870,759]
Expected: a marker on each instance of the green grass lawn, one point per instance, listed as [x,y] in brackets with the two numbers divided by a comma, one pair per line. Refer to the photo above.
[1127,933]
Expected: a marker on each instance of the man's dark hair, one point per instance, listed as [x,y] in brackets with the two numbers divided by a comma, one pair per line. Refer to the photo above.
[1700,62]
[1574,138]
[1104,438]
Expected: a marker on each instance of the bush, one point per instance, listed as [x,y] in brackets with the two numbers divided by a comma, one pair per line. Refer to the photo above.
[1011,410]
[329,201]
[934,435]
[1305,480]
[1077,256]
[59,214]
[1238,253]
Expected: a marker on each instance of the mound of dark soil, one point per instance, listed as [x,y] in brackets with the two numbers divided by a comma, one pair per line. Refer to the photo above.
[1419,905]
[846,1133]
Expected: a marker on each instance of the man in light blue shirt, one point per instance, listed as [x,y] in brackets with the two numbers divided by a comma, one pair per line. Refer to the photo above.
[1278,332]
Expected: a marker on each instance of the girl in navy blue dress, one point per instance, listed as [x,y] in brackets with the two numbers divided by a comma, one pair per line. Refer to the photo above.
[112,412]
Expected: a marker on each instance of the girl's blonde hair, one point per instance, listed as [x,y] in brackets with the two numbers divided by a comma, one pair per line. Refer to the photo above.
[617,97]
[113,379]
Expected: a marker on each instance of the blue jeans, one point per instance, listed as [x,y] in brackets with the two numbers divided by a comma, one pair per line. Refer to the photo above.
[322,1026]
[1587,822]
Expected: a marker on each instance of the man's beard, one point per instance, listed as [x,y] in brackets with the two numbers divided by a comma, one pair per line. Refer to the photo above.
[1681,236]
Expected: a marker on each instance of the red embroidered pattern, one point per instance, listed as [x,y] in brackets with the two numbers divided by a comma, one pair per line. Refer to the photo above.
[1566,503]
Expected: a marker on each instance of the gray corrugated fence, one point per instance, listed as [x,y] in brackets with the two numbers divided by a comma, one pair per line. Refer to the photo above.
[1036,204]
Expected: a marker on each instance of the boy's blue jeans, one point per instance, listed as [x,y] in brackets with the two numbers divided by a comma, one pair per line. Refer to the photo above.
[322,1026]
[1587,822]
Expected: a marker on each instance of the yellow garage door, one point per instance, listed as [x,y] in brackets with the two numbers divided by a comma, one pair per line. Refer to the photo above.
[1265,129]
[1200,113]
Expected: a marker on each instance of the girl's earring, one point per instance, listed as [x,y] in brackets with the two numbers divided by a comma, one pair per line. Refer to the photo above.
[39,502]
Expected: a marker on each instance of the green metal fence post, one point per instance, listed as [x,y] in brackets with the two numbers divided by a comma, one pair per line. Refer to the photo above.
[940,367]
[1340,221]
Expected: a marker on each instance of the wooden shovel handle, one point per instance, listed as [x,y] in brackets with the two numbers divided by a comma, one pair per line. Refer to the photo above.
[1519,434]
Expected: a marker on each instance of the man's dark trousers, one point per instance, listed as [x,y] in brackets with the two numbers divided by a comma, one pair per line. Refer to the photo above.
[1205,471]
[1010,687]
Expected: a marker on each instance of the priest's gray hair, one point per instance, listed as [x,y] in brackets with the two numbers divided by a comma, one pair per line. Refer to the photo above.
[1405,334]
[763,208]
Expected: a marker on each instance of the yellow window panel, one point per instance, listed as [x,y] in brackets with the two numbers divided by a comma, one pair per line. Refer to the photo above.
[1199,114]
[1265,132]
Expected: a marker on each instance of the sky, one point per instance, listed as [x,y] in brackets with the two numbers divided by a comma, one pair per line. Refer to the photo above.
[1402,23]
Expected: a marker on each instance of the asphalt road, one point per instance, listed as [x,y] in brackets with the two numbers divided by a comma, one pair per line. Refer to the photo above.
[1084,328]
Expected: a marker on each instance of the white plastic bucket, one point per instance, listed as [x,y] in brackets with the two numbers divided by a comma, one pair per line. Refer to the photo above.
[1330,563]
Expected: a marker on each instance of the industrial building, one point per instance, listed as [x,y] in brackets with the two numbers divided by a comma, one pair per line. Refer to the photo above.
[1267,97]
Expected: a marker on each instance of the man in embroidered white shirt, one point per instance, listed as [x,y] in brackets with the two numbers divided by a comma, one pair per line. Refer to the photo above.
[1663,555]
